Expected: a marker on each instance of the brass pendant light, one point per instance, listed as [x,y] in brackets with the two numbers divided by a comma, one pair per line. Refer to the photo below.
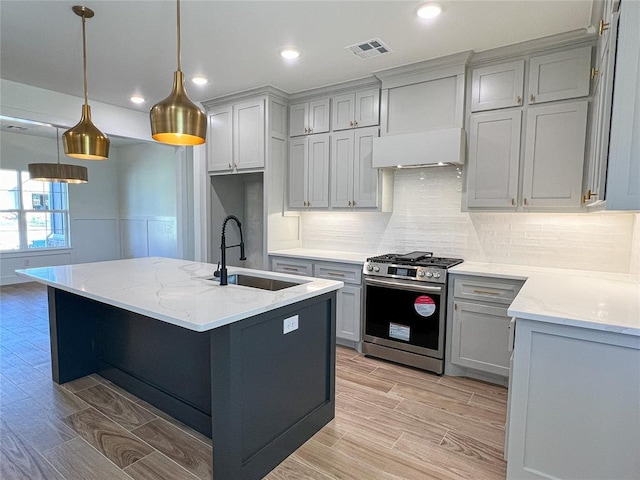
[58,172]
[85,140]
[176,120]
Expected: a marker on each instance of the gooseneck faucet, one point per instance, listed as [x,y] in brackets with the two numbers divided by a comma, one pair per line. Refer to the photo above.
[222,269]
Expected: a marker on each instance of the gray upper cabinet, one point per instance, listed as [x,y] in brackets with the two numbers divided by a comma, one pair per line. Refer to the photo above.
[237,134]
[354,110]
[623,175]
[309,172]
[494,159]
[306,118]
[559,76]
[354,182]
[601,124]
[554,155]
[497,86]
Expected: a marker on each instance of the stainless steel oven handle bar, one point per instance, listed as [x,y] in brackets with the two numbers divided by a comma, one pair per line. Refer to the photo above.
[411,285]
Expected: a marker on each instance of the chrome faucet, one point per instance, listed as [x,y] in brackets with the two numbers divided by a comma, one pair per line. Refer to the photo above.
[222,269]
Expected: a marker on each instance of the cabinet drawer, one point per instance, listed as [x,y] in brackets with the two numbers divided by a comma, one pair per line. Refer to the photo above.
[487,291]
[339,271]
[292,266]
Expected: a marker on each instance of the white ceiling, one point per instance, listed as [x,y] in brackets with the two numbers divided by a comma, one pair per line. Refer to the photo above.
[132,44]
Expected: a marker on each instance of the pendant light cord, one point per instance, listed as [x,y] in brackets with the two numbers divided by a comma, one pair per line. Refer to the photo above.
[58,144]
[84,59]
[178,19]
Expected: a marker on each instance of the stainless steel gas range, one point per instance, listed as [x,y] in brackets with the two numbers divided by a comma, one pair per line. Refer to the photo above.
[405,306]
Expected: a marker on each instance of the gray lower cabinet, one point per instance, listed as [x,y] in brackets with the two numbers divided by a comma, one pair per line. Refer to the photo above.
[478,327]
[574,403]
[349,299]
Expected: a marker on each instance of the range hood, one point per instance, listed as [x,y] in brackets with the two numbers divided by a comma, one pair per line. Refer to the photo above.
[427,148]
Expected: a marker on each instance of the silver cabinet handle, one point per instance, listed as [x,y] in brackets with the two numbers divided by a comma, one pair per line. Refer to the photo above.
[336,274]
[486,292]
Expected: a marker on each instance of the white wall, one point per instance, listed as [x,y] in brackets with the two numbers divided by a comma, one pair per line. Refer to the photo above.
[93,207]
[426,216]
[147,191]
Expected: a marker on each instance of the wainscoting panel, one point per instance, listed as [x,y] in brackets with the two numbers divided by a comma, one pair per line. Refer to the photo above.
[95,240]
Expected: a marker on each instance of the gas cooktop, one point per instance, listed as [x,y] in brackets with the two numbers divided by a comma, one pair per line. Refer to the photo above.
[418,259]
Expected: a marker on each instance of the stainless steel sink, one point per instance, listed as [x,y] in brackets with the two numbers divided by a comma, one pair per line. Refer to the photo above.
[262,283]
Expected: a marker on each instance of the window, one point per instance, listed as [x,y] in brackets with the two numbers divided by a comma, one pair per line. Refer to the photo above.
[32,214]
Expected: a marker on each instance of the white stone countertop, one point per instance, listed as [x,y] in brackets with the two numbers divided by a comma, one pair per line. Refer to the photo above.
[176,291]
[324,255]
[588,299]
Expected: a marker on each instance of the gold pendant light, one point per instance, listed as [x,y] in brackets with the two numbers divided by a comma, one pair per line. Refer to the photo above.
[85,140]
[176,120]
[58,172]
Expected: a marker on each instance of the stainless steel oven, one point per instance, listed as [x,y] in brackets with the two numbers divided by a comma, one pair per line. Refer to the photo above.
[404,309]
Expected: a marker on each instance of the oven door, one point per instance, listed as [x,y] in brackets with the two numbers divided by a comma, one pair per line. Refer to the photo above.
[405,314]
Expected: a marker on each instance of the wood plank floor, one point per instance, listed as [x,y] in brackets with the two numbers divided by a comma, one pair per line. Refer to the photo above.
[392,422]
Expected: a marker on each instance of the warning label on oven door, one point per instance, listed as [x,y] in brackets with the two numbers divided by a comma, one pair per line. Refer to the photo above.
[399,332]
[424,305]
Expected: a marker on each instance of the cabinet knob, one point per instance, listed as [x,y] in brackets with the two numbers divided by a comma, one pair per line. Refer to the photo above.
[306,130]
[230,166]
[355,123]
[513,201]
[525,201]
[349,202]
[308,204]
[351,124]
[532,98]
[594,72]
[518,100]
[354,203]
[603,27]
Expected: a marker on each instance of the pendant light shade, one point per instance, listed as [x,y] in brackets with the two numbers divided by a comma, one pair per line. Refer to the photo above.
[58,172]
[85,140]
[176,120]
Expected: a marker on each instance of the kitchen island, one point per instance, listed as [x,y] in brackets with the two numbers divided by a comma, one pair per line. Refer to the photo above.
[253,369]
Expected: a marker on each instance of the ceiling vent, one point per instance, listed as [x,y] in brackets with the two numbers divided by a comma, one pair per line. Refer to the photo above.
[370,49]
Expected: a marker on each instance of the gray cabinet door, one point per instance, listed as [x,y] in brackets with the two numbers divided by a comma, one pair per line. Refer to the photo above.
[559,76]
[318,171]
[342,112]
[248,134]
[481,337]
[342,169]
[494,156]
[367,108]
[366,179]
[348,313]
[318,121]
[554,155]
[298,152]
[298,114]
[497,86]
[220,151]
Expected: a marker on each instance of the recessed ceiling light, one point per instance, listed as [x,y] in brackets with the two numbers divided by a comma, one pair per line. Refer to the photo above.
[431,10]
[290,53]
[200,80]
[137,99]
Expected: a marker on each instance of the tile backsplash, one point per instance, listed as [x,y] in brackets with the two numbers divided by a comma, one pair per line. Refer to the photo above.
[426,216]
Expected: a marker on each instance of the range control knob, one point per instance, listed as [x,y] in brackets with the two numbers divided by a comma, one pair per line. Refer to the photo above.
[369,267]
[421,273]
[376,269]
[436,275]
[429,274]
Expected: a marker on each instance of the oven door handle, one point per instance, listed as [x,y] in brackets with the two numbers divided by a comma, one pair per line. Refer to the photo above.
[405,286]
